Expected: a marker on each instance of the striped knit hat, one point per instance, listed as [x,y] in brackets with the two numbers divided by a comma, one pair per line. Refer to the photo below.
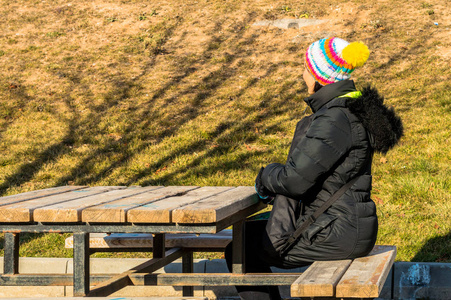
[333,59]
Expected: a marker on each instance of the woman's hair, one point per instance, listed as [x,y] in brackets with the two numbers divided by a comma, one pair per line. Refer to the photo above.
[317,86]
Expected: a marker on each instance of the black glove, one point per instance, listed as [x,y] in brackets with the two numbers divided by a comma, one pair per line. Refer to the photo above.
[263,193]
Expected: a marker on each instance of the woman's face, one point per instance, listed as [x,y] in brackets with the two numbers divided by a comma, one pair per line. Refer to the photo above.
[309,81]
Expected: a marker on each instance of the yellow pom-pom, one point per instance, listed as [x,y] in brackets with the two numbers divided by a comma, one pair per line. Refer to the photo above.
[356,54]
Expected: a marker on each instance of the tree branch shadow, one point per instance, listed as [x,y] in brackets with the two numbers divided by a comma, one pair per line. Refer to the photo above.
[210,82]
[120,151]
[437,249]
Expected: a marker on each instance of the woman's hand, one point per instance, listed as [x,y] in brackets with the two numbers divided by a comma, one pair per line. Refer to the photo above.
[263,193]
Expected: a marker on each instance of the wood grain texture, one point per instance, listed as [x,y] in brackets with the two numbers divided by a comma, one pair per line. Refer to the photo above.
[116,211]
[38,194]
[71,211]
[144,240]
[23,211]
[161,211]
[366,275]
[320,279]
[216,207]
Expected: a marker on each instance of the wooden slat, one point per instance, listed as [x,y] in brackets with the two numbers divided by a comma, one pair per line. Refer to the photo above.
[366,275]
[38,194]
[23,211]
[320,279]
[71,211]
[214,279]
[157,279]
[116,211]
[217,207]
[161,211]
[144,240]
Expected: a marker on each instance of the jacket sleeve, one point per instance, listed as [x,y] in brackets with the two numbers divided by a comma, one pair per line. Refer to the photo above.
[327,140]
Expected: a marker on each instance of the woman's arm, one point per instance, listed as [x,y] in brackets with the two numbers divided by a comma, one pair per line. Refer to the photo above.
[327,140]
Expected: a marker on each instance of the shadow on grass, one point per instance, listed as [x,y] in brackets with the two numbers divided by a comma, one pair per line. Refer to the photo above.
[27,171]
[437,249]
[119,152]
[205,88]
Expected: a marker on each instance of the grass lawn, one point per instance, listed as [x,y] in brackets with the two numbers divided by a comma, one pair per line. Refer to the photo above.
[180,92]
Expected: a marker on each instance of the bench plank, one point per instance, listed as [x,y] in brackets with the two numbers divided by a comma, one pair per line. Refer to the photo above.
[366,275]
[116,211]
[38,194]
[143,240]
[217,207]
[161,211]
[320,279]
[214,279]
[23,211]
[71,211]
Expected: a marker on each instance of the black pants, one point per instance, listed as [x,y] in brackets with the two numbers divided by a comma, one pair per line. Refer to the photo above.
[258,259]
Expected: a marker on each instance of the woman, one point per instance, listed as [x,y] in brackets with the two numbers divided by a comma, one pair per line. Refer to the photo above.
[330,148]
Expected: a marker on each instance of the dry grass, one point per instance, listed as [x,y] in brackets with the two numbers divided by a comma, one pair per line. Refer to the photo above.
[177,93]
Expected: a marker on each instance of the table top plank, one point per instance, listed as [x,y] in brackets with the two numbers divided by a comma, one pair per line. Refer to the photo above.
[161,211]
[216,207]
[320,279]
[71,211]
[366,275]
[23,211]
[38,194]
[116,211]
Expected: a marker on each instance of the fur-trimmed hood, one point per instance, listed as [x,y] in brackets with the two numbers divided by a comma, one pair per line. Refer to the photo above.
[382,123]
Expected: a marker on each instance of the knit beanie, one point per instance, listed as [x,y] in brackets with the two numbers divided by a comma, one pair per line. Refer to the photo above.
[333,59]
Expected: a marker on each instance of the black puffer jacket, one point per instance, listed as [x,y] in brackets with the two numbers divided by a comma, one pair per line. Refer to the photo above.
[329,148]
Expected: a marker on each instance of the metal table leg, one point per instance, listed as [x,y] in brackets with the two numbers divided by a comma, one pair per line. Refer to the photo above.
[188,267]
[11,256]
[81,264]
[238,250]
[159,247]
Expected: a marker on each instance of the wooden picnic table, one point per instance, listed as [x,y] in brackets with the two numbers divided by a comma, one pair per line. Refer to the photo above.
[159,210]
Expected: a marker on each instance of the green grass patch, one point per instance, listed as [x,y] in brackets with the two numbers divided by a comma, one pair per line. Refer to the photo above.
[120,93]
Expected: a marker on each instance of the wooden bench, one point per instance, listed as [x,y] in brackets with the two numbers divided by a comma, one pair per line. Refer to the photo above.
[362,277]
[101,242]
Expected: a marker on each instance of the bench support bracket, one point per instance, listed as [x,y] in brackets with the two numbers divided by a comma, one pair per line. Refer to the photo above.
[238,249]
[188,267]
[81,264]
[11,259]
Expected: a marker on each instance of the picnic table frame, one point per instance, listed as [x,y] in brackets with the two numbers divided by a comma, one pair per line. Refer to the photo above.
[54,217]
